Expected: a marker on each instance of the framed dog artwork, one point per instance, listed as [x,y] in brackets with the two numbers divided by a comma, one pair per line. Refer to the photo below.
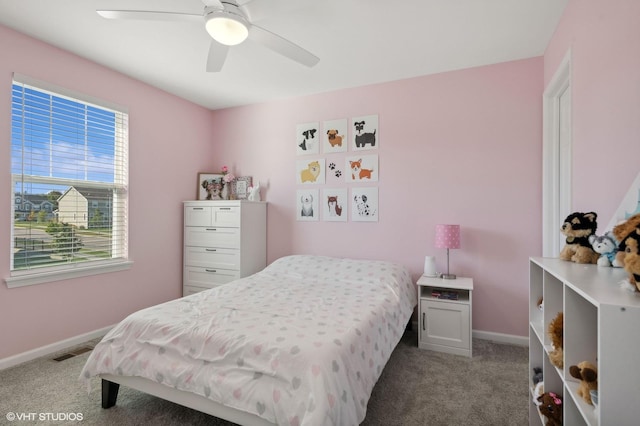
[365,133]
[310,171]
[307,205]
[210,186]
[361,168]
[307,138]
[364,204]
[334,136]
[335,205]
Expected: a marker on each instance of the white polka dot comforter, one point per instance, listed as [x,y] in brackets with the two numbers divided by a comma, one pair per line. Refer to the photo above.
[302,342]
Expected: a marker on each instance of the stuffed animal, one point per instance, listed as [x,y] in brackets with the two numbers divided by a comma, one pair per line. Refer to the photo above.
[538,389]
[587,373]
[551,407]
[537,375]
[556,332]
[254,193]
[607,247]
[577,227]
[620,232]
[631,247]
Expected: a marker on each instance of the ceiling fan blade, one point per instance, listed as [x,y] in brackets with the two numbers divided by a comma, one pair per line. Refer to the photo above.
[145,15]
[282,46]
[216,57]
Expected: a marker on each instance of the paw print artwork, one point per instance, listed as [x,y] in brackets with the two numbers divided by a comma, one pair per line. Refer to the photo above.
[337,173]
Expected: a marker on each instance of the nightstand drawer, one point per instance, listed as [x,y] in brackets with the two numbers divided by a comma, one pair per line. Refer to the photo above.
[212,236]
[216,258]
[208,277]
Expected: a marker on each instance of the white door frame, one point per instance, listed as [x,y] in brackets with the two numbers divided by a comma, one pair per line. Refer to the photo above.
[556,177]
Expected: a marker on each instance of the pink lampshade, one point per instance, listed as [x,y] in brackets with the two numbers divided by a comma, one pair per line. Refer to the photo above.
[448,236]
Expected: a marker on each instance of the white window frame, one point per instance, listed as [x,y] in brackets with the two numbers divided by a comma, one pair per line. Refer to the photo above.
[119,260]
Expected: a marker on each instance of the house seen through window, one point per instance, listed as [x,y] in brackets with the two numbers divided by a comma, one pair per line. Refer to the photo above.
[69,173]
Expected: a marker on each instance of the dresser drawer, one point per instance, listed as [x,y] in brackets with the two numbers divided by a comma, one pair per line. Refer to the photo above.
[212,237]
[215,258]
[197,216]
[225,216]
[208,277]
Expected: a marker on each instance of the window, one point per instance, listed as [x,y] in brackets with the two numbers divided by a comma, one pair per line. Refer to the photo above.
[69,170]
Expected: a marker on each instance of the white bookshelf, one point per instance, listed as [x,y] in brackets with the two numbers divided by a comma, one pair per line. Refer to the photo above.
[601,325]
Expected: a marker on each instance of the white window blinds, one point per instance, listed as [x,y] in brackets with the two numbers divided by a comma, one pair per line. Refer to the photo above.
[69,167]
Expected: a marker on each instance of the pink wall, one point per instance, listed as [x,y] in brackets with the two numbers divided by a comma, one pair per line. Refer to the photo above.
[604,38]
[459,147]
[169,142]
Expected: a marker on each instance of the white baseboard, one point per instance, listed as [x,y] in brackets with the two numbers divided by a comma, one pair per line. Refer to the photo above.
[494,337]
[501,338]
[52,348]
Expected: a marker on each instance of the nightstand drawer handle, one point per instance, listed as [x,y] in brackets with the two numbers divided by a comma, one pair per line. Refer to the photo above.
[225,208]
[198,208]
[210,249]
[211,270]
[424,315]
[211,229]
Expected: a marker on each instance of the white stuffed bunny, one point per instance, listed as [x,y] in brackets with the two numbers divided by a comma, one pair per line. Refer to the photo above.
[254,193]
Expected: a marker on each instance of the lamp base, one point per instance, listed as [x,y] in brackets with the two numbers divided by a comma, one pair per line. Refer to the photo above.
[448,276]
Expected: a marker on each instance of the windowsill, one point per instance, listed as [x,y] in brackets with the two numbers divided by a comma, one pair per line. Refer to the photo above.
[51,276]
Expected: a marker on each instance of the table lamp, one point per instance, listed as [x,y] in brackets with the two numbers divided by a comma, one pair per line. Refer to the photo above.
[448,236]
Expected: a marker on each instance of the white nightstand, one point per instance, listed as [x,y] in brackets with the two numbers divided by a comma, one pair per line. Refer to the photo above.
[445,324]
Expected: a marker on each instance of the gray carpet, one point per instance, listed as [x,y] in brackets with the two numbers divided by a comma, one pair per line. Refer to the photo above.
[416,388]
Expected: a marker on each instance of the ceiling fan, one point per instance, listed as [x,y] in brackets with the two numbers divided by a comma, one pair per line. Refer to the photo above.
[228,24]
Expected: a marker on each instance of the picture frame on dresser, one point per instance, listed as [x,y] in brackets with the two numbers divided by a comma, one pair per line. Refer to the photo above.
[241,187]
[210,186]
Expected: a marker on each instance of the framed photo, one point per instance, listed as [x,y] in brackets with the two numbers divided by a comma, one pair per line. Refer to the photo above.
[210,186]
[241,186]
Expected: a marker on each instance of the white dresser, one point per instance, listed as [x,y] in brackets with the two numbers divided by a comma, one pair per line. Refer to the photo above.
[223,241]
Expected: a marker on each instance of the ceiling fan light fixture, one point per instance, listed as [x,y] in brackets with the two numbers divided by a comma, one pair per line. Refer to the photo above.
[226,28]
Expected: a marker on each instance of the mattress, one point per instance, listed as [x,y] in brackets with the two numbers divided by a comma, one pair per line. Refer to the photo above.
[302,342]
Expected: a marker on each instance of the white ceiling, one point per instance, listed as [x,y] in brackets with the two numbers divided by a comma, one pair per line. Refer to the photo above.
[359,42]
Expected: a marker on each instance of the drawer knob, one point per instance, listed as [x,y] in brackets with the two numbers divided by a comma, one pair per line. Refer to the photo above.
[211,229]
[211,270]
[210,249]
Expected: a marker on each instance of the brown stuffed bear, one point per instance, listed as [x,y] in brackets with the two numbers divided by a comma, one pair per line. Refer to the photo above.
[577,227]
[631,247]
[551,407]
[621,230]
[587,373]
[556,332]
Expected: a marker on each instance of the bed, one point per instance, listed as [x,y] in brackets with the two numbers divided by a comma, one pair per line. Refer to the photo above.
[302,342]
